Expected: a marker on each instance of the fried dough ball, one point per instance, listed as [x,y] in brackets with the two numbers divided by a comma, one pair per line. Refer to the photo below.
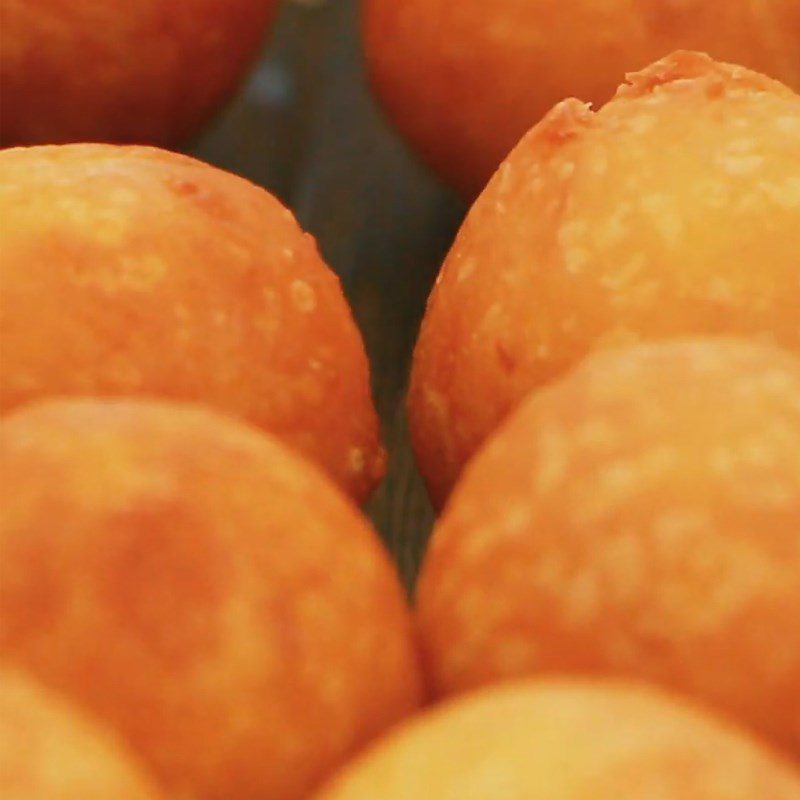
[134,271]
[49,751]
[674,210]
[464,79]
[639,518]
[564,740]
[139,71]
[202,591]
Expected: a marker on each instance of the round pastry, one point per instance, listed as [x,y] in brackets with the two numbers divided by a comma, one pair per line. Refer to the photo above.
[673,210]
[201,590]
[462,80]
[134,271]
[639,518]
[138,71]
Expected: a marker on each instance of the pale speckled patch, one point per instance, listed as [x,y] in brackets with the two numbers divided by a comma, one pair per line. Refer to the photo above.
[517,518]
[438,405]
[724,583]
[542,351]
[775,495]
[136,273]
[537,184]
[566,170]
[141,273]
[571,238]
[641,123]
[784,193]
[220,318]
[787,124]
[480,542]
[356,460]
[466,269]
[303,296]
[625,274]
[108,225]
[617,481]
[613,229]
[722,290]
[665,216]
[552,450]
[501,186]
[669,528]
[237,251]
[598,162]
[595,435]
[743,146]
[739,164]
[122,196]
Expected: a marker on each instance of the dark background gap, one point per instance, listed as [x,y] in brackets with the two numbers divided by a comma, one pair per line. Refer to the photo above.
[305,127]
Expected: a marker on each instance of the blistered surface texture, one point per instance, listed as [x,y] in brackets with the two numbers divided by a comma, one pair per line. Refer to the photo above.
[134,271]
[201,590]
[639,518]
[672,210]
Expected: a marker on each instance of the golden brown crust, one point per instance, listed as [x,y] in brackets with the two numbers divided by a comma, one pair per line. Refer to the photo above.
[640,517]
[672,210]
[463,80]
[122,70]
[201,590]
[700,72]
[134,271]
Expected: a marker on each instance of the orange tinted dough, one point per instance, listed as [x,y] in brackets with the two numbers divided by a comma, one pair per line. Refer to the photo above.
[202,591]
[122,70]
[462,80]
[134,271]
[639,518]
[565,740]
[674,209]
[50,751]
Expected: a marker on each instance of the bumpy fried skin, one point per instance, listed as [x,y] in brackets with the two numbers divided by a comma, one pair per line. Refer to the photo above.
[639,518]
[673,210]
[138,71]
[202,591]
[463,80]
[134,271]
